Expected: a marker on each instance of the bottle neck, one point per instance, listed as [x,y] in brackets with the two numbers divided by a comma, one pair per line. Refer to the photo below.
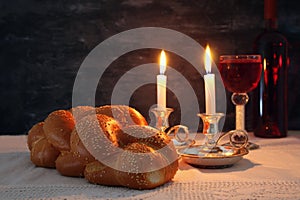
[270,14]
[271,24]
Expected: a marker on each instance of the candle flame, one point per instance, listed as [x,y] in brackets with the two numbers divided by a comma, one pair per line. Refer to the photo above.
[163,62]
[207,61]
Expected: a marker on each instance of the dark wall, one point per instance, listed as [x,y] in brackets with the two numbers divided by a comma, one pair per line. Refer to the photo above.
[42,44]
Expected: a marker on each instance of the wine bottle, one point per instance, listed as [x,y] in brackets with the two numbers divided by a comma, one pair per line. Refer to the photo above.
[270,98]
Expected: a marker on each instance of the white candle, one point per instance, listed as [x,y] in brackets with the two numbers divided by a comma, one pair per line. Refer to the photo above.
[162,83]
[209,82]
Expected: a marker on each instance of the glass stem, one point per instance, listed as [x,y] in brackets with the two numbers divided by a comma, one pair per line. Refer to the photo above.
[240,117]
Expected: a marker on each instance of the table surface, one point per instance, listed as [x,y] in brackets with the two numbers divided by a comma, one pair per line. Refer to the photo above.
[270,172]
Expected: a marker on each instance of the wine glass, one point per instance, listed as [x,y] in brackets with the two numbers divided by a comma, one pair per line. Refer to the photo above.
[240,74]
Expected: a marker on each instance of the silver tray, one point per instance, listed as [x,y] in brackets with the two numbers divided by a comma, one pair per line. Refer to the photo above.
[212,160]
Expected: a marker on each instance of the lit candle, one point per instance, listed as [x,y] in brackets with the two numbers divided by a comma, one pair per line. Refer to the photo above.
[209,81]
[162,82]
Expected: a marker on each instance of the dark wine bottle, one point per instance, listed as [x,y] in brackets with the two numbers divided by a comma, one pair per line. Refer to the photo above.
[270,115]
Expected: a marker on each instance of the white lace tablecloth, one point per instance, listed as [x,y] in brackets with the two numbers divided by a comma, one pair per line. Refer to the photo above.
[271,172]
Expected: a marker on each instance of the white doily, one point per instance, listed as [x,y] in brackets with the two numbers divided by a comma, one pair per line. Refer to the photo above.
[173,190]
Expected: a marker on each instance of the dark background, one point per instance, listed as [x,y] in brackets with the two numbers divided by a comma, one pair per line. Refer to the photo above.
[42,44]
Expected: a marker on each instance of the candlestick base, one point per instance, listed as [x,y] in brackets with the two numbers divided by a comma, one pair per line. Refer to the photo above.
[210,154]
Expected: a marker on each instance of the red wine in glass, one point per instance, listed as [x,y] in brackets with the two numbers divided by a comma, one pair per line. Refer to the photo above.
[240,74]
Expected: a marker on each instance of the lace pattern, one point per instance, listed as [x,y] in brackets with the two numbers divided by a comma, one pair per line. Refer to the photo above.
[174,190]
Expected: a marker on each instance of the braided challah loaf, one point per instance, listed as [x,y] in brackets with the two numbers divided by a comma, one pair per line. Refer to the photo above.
[142,160]
[108,145]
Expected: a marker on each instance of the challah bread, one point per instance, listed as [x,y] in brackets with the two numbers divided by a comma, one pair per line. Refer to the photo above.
[144,171]
[43,154]
[145,134]
[35,133]
[78,147]
[155,139]
[82,111]
[58,127]
[78,152]
[98,173]
[128,152]
[125,115]
[144,163]
[69,164]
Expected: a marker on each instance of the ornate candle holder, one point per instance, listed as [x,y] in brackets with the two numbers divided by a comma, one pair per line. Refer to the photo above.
[211,131]
[211,154]
[162,117]
[178,133]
